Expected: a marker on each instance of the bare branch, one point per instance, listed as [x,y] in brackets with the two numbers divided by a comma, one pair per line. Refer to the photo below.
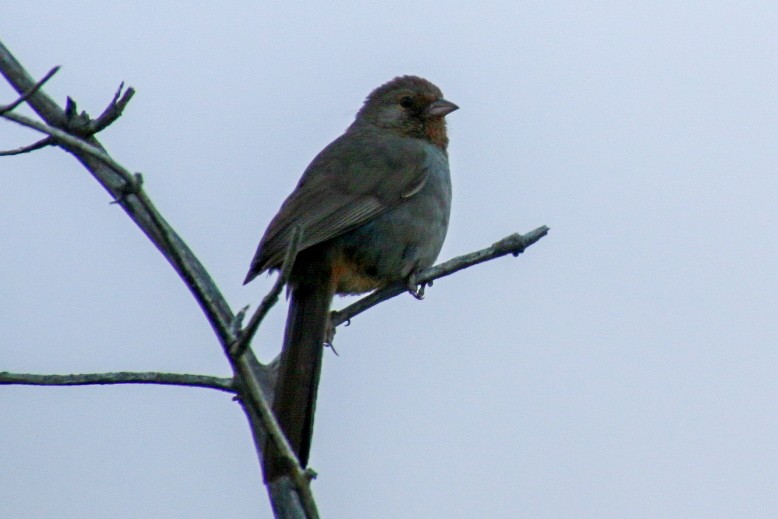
[73,132]
[122,377]
[286,503]
[115,179]
[271,298]
[514,244]
[300,477]
[47,141]
[30,92]
[82,125]
[63,137]
[22,82]
[113,111]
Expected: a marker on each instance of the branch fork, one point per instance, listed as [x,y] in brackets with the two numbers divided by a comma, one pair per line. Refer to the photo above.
[291,496]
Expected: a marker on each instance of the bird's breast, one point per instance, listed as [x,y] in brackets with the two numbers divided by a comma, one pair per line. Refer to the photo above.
[404,239]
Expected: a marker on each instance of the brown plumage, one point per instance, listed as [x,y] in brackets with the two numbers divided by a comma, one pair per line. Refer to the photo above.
[373,207]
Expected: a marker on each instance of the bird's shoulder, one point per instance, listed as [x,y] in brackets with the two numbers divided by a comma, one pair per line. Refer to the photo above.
[369,161]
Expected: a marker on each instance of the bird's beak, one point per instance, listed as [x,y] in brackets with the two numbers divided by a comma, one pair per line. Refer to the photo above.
[440,108]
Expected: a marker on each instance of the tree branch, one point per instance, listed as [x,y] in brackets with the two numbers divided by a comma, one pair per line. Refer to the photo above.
[271,298]
[113,111]
[122,377]
[30,92]
[514,244]
[116,179]
[47,141]
[22,82]
[124,189]
[300,478]
[291,496]
[283,502]
[67,140]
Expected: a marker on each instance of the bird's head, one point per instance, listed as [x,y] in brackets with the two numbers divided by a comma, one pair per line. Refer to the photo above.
[409,106]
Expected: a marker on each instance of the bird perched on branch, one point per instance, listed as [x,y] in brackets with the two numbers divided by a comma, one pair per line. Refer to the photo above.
[373,208]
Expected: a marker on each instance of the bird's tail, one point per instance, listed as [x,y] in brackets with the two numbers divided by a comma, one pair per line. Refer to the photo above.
[294,401]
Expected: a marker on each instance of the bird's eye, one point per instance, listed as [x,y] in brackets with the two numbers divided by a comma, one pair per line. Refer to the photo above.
[406,101]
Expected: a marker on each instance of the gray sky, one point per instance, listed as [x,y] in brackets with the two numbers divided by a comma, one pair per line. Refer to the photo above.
[624,367]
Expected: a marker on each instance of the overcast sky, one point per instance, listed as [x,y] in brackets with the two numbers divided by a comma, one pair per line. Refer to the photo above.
[625,366]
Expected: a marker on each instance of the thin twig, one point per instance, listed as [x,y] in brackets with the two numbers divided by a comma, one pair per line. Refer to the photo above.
[190,269]
[21,81]
[63,137]
[115,179]
[82,125]
[122,377]
[30,92]
[298,474]
[513,244]
[119,182]
[46,141]
[271,298]
[131,185]
[113,111]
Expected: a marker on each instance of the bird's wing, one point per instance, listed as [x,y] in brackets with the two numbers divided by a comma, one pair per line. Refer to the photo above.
[358,176]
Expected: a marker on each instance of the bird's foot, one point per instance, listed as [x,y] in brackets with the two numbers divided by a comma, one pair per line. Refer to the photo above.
[329,338]
[416,289]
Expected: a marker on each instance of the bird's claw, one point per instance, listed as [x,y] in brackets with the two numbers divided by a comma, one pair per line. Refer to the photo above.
[328,344]
[329,338]
[416,289]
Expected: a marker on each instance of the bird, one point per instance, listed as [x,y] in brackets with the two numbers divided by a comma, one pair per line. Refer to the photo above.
[372,209]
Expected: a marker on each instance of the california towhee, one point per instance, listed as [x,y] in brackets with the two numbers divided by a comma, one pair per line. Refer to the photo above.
[373,208]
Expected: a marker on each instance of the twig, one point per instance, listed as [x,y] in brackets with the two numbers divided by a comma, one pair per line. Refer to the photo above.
[253,376]
[122,377]
[113,111]
[63,137]
[29,93]
[271,298]
[187,265]
[84,126]
[163,236]
[298,475]
[46,141]
[21,81]
[513,244]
